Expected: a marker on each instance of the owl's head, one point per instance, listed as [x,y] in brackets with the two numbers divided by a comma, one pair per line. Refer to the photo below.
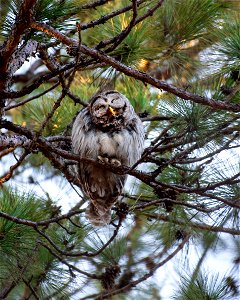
[111,109]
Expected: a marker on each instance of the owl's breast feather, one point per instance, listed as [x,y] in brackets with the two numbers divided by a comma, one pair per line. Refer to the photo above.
[108,146]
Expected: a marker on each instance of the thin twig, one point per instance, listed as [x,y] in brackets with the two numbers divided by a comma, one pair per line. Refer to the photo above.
[115,13]
[7,176]
[93,276]
[85,253]
[122,35]
[198,226]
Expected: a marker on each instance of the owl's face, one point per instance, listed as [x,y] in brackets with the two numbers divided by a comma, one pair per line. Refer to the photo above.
[110,109]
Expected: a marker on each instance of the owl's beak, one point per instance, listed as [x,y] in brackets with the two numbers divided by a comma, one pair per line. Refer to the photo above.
[112,111]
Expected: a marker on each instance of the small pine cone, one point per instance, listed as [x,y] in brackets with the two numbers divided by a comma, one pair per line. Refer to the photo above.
[125,278]
[180,234]
[122,210]
[149,263]
[167,193]
[226,90]
[109,276]
[232,284]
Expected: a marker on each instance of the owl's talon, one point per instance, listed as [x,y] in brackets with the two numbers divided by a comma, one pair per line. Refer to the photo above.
[115,162]
[103,159]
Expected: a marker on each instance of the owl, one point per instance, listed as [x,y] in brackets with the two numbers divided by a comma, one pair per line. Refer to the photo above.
[107,130]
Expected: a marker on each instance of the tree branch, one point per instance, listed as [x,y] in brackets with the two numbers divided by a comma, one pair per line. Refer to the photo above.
[115,291]
[200,226]
[144,77]
[7,176]
[22,22]
[115,13]
[160,84]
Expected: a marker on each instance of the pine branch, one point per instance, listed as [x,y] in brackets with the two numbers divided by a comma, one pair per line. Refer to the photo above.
[47,149]
[199,226]
[144,77]
[121,36]
[126,288]
[105,18]
[15,141]
[197,207]
[71,267]
[173,175]
[9,174]
[42,78]
[20,56]
[7,50]
[42,223]
[17,277]
[4,291]
[117,40]
[85,253]
[162,85]
[33,292]
[150,12]
[225,146]
[94,4]
[230,202]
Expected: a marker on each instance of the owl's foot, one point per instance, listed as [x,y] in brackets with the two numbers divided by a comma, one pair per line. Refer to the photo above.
[113,161]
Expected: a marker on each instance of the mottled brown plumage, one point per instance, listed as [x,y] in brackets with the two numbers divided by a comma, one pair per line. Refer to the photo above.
[110,131]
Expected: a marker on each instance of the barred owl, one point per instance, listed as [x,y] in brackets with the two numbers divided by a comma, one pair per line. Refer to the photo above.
[110,131]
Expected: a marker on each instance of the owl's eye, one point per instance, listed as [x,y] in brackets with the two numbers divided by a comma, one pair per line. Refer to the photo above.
[117,102]
[100,108]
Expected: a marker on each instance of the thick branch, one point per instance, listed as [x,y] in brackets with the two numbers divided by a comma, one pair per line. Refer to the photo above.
[144,77]
[50,151]
[21,24]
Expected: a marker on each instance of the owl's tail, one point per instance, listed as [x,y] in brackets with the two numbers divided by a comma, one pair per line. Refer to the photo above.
[96,217]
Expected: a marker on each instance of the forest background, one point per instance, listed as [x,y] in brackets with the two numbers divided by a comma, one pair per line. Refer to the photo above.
[178,62]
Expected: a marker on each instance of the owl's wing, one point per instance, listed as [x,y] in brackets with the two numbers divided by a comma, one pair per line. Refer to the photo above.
[100,185]
[84,137]
[130,142]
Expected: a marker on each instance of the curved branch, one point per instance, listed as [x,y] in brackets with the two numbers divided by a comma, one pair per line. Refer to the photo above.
[121,36]
[160,84]
[127,287]
[144,77]
[39,223]
[200,226]
[93,276]
[7,176]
